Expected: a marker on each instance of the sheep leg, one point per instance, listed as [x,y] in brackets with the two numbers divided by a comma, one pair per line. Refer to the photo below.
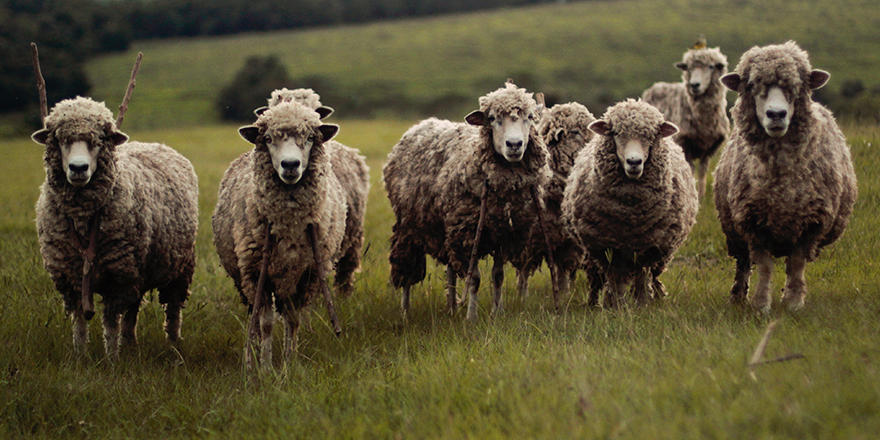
[404,300]
[451,294]
[640,287]
[254,325]
[795,283]
[615,295]
[267,322]
[129,325]
[111,332]
[761,300]
[597,282]
[291,326]
[172,321]
[497,281]
[553,271]
[740,290]
[702,171]
[472,283]
[80,331]
[522,283]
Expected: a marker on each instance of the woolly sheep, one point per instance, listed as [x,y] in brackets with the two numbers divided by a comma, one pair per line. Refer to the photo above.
[352,172]
[697,106]
[435,176]
[135,203]
[630,199]
[285,186]
[565,130]
[785,184]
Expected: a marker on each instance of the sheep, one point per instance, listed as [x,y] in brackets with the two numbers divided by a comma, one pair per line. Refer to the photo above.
[116,218]
[630,200]
[697,106]
[785,185]
[352,172]
[565,130]
[281,199]
[446,180]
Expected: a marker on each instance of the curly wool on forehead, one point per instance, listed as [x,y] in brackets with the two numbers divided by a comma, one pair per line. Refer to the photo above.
[79,116]
[704,57]
[507,100]
[633,118]
[307,97]
[289,117]
[785,65]
[572,114]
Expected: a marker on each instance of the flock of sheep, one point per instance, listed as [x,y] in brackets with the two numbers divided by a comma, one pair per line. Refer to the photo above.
[614,197]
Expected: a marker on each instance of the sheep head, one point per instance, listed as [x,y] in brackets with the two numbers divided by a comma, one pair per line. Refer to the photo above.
[509,113]
[776,82]
[634,127]
[701,69]
[289,132]
[80,129]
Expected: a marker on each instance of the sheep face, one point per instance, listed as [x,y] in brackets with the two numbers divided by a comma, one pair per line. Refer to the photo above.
[510,131]
[633,147]
[79,153]
[290,150]
[774,111]
[699,77]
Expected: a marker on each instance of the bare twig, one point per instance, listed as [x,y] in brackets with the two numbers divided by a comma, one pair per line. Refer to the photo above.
[131,84]
[539,208]
[539,98]
[472,265]
[254,323]
[322,278]
[789,357]
[41,85]
[759,350]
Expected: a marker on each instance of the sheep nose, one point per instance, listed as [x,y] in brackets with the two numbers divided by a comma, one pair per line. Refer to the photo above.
[776,114]
[634,162]
[695,86]
[515,144]
[290,165]
[78,167]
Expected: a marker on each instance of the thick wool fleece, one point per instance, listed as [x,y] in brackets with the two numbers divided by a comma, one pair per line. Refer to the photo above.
[251,194]
[701,120]
[434,178]
[565,130]
[147,195]
[350,169]
[641,222]
[781,194]
[307,97]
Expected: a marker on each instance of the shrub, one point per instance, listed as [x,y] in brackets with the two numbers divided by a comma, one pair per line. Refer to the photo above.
[251,87]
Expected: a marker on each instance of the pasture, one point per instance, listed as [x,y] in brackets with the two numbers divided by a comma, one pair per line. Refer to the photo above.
[674,369]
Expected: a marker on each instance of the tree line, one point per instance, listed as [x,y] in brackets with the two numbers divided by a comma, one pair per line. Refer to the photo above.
[69,32]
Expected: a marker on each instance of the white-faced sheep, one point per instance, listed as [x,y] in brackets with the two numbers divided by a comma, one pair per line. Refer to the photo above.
[280,220]
[352,172]
[437,177]
[785,184]
[697,106]
[115,218]
[565,130]
[630,200]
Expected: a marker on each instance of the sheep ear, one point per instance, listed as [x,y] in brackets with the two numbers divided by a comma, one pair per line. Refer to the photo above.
[668,129]
[41,137]
[682,66]
[328,131]
[600,127]
[818,78]
[324,111]
[731,81]
[118,138]
[250,133]
[260,110]
[556,134]
[476,117]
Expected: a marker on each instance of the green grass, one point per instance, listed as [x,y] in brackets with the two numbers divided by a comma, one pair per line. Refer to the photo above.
[593,52]
[674,369]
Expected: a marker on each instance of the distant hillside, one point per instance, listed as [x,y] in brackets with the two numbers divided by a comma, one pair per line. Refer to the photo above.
[592,52]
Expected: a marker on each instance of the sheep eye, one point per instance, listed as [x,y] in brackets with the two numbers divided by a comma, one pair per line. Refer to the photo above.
[491,119]
[311,138]
[267,139]
[575,132]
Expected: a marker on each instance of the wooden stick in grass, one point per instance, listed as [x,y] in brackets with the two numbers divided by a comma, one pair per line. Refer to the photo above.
[759,350]
[322,278]
[472,265]
[131,84]
[41,85]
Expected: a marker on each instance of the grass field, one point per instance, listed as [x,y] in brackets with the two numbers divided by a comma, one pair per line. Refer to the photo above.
[674,369]
[593,52]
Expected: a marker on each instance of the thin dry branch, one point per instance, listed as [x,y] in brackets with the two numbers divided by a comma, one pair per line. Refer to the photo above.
[322,278]
[132,82]
[759,350]
[789,357]
[41,85]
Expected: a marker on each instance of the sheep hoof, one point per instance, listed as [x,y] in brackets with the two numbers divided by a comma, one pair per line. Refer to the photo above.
[739,300]
[793,302]
[763,309]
